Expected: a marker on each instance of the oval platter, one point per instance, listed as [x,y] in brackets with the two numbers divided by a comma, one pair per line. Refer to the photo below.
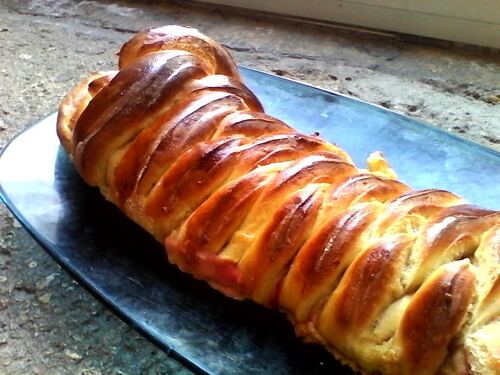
[126,269]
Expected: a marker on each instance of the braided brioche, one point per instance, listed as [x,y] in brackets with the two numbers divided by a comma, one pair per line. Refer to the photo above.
[389,279]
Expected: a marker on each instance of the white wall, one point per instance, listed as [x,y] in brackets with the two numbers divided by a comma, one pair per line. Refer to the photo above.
[468,21]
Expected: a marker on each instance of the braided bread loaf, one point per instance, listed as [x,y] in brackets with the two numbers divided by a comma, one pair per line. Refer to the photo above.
[389,279]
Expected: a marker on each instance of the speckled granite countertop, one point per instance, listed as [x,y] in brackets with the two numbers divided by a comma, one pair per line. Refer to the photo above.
[49,324]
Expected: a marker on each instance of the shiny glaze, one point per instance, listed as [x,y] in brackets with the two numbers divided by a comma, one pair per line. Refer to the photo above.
[259,211]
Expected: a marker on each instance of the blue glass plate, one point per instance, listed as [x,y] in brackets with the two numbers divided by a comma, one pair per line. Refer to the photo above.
[127,270]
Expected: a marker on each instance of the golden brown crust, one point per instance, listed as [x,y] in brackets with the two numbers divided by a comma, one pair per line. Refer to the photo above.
[434,316]
[174,37]
[389,279]
[322,260]
[155,149]
[74,103]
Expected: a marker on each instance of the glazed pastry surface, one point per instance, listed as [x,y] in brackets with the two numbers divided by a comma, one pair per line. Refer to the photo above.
[389,279]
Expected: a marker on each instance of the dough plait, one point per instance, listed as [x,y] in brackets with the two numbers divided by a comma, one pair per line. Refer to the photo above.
[389,279]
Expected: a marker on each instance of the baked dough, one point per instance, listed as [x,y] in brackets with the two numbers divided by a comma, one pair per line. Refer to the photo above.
[389,279]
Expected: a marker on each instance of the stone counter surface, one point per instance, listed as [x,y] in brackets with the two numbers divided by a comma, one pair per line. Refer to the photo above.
[49,324]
